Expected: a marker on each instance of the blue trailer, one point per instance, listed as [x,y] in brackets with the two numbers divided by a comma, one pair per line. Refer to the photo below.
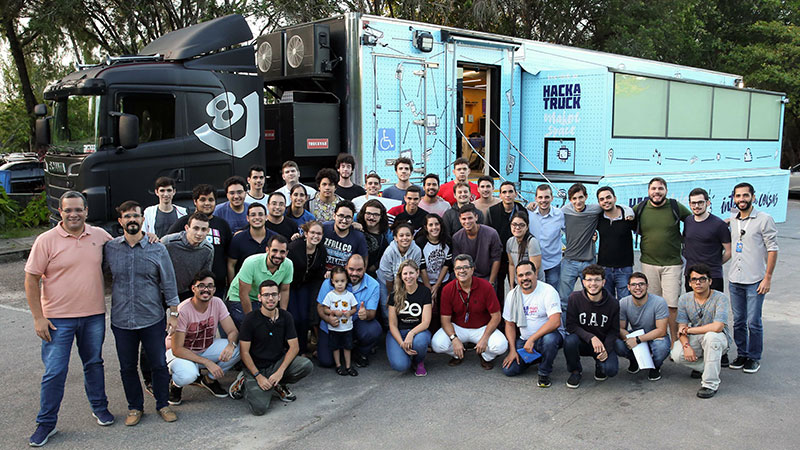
[533,112]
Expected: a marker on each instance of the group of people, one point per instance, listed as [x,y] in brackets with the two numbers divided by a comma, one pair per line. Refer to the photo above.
[253,282]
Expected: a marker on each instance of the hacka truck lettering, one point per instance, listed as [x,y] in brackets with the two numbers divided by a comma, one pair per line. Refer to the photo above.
[562,96]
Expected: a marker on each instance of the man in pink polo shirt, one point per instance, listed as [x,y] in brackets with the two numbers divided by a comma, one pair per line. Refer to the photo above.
[64,289]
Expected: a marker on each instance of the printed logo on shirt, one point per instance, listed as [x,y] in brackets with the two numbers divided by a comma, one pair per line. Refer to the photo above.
[214,236]
[591,319]
[338,252]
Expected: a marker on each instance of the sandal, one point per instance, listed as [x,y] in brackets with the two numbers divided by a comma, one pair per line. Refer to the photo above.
[341,371]
[351,371]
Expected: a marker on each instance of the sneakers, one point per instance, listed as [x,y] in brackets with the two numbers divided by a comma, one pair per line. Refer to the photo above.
[283,393]
[175,393]
[723,362]
[455,361]
[235,390]
[737,363]
[167,414]
[486,365]
[361,360]
[544,381]
[599,375]
[654,375]
[706,392]
[104,418]
[574,380]
[420,371]
[213,387]
[41,435]
[751,366]
[133,418]
[633,366]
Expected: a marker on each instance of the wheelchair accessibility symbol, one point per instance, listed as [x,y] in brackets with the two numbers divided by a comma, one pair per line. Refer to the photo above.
[386,139]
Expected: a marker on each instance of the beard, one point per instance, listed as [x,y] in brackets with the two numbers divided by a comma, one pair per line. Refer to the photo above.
[133,228]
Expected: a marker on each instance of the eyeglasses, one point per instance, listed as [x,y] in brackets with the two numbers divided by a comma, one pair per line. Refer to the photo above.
[462,268]
[637,285]
[269,294]
[697,203]
[698,279]
[518,225]
[343,217]
[369,214]
[205,287]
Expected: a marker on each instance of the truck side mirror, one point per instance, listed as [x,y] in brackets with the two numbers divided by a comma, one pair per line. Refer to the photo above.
[128,131]
[42,130]
[40,110]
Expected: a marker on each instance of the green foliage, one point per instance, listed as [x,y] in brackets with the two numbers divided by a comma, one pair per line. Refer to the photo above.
[12,216]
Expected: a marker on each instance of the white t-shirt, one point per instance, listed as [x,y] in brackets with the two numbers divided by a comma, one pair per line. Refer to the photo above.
[285,191]
[540,304]
[388,203]
[263,200]
[340,302]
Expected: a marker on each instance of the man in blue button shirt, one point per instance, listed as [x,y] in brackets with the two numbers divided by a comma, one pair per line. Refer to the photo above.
[546,224]
[143,280]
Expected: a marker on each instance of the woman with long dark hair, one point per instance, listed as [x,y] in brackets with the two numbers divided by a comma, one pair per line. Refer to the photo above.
[409,317]
[308,256]
[521,246]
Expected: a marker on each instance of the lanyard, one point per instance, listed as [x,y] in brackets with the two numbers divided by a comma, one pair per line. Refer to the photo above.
[466,304]
[743,229]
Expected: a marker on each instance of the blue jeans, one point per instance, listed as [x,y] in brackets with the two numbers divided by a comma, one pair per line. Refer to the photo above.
[367,333]
[300,300]
[748,332]
[237,314]
[659,348]
[89,333]
[399,360]
[570,272]
[547,346]
[617,281]
[152,340]
[575,347]
[552,276]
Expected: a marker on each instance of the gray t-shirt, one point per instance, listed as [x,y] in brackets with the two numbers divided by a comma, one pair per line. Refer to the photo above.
[532,249]
[643,317]
[715,309]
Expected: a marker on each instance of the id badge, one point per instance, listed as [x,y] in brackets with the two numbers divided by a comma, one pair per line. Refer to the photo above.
[739,247]
[466,317]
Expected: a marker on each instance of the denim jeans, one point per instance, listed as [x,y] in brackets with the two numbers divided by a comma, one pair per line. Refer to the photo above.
[552,276]
[399,360]
[258,399]
[570,272]
[617,281]
[237,314]
[575,347]
[89,333]
[659,348]
[152,340]
[547,346]
[367,333]
[748,331]
[186,372]
[300,299]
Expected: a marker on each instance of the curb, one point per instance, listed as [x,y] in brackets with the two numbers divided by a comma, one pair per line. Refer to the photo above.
[14,255]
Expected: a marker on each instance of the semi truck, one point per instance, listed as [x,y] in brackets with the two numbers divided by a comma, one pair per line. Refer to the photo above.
[206,102]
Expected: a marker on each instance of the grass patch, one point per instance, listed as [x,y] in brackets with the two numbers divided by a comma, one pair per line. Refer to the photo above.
[16,233]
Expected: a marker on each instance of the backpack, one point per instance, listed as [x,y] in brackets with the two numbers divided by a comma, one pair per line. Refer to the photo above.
[639,209]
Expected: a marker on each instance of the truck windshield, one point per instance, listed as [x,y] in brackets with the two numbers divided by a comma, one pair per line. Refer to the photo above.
[74,124]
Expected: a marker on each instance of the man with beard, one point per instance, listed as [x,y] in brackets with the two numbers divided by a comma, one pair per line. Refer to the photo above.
[402,168]
[615,252]
[277,220]
[750,275]
[219,233]
[593,327]
[535,309]
[249,241]
[233,211]
[193,346]
[547,224]
[646,312]
[273,265]
[142,281]
[366,327]
[340,239]
[269,351]
[431,202]
[345,188]
[659,225]
[375,225]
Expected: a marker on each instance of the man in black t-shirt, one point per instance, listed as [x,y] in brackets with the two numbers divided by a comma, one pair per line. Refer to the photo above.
[219,234]
[615,253]
[346,165]
[707,239]
[410,211]
[269,366]
[277,220]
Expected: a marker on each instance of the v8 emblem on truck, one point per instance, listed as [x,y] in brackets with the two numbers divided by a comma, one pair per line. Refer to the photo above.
[225,112]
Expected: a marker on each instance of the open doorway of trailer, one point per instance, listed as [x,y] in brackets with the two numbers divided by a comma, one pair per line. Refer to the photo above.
[478,101]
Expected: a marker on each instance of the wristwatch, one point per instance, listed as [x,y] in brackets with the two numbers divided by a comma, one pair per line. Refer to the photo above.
[173,313]
[255,375]
[638,341]
[452,337]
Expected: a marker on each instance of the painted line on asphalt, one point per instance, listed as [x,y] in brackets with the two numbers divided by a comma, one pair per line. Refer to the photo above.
[14,308]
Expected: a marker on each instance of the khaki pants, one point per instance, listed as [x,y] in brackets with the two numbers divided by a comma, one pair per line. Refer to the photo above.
[664,281]
[259,399]
[709,348]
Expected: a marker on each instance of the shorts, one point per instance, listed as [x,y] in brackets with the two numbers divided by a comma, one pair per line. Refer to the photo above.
[340,340]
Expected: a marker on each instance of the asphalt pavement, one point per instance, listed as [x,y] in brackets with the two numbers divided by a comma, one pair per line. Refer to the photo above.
[464,407]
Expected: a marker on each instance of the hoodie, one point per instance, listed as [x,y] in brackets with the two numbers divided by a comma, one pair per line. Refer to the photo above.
[392,259]
[588,319]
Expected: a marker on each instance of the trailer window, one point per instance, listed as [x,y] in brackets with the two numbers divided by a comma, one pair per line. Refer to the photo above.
[765,116]
[731,111]
[640,106]
[689,111]
[156,113]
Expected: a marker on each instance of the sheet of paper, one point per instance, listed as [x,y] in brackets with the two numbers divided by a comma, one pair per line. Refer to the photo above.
[642,352]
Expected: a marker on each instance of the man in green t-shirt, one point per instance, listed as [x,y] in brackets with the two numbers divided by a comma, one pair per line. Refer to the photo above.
[660,228]
[272,265]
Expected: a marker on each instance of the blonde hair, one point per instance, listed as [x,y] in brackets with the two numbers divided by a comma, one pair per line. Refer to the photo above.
[400,293]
